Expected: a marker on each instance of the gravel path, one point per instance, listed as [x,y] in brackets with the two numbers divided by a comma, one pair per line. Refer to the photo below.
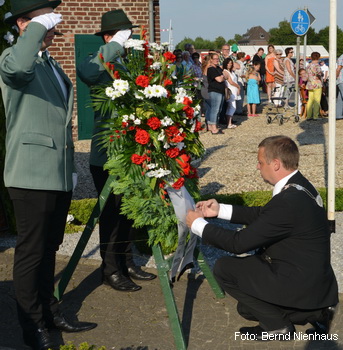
[229,166]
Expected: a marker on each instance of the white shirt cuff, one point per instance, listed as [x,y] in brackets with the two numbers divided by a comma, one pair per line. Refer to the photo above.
[225,211]
[198,226]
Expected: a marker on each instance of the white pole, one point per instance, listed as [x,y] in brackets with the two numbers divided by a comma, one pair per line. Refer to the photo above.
[332,114]
[171,46]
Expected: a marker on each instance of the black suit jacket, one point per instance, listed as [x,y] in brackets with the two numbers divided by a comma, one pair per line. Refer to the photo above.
[293,230]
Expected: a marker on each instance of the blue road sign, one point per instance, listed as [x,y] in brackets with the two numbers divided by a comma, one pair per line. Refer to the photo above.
[300,22]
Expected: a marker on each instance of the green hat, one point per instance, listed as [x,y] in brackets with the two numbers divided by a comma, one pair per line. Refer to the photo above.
[234,48]
[19,8]
[114,20]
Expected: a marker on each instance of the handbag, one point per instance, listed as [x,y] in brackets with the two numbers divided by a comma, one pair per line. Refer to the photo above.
[228,93]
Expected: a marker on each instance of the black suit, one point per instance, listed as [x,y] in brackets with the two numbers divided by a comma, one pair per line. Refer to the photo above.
[293,271]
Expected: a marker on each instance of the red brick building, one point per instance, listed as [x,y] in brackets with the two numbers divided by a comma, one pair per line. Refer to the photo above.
[84,17]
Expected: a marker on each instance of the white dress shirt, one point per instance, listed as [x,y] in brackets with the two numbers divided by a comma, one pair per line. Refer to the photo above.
[225,210]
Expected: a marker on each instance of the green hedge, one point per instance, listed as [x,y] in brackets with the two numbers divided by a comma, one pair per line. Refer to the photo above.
[82,209]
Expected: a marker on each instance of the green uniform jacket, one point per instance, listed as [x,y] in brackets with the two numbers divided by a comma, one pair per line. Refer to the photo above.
[39,145]
[92,72]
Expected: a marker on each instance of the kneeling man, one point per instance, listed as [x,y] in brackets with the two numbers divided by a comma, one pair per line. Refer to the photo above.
[290,279]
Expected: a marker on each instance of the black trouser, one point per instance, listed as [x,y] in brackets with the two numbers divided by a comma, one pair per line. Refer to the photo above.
[270,316]
[40,218]
[116,232]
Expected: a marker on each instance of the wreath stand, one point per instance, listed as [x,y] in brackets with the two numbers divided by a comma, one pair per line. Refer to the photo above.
[163,268]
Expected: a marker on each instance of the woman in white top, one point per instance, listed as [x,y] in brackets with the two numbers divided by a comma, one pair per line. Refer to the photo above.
[232,84]
[240,71]
[289,77]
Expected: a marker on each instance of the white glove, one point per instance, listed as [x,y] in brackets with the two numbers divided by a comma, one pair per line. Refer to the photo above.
[121,36]
[74,180]
[49,20]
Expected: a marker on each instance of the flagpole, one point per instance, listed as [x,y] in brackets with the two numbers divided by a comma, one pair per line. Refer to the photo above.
[332,115]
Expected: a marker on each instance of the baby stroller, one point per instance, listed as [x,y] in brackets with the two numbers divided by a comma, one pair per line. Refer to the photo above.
[277,109]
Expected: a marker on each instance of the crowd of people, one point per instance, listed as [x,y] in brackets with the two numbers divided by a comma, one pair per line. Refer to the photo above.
[226,79]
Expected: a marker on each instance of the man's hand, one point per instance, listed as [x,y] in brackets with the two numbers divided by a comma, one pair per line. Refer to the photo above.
[208,208]
[121,36]
[49,20]
[191,216]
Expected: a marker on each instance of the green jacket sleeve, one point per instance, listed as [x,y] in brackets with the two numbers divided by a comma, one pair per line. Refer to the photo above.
[91,71]
[17,64]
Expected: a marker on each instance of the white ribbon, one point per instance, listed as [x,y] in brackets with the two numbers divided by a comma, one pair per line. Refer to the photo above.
[182,202]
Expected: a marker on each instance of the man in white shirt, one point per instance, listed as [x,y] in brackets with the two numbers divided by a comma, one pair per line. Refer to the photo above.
[289,279]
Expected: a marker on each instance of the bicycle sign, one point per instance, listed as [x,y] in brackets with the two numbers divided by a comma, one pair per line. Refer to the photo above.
[300,22]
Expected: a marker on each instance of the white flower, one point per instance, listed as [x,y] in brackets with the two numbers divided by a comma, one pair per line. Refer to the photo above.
[166,145]
[158,173]
[15,28]
[156,47]
[166,121]
[137,122]
[156,65]
[161,136]
[165,44]
[8,14]
[138,96]
[9,37]
[181,93]
[125,118]
[120,84]
[2,2]
[132,117]
[160,91]
[192,128]
[155,91]
[151,166]
[151,56]
[109,92]
[134,44]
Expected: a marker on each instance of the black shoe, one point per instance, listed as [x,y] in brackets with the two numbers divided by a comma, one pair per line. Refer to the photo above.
[39,340]
[322,325]
[138,274]
[62,324]
[120,282]
[258,333]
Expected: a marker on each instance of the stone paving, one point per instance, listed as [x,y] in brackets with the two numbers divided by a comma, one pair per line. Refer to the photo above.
[139,320]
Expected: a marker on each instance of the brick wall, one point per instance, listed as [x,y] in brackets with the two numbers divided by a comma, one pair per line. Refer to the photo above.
[84,17]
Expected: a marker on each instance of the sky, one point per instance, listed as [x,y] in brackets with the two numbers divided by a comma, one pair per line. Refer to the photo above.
[212,18]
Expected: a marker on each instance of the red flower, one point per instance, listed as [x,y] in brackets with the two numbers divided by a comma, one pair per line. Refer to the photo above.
[123,132]
[193,173]
[137,159]
[172,130]
[197,126]
[189,111]
[124,124]
[142,136]
[101,57]
[184,163]
[116,74]
[167,82]
[131,128]
[187,101]
[179,183]
[172,152]
[177,139]
[169,56]
[142,80]
[154,123]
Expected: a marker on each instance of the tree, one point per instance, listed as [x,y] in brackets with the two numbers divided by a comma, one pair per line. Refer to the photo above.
[237,37]
[282,35]
[219,42]
[323,39]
